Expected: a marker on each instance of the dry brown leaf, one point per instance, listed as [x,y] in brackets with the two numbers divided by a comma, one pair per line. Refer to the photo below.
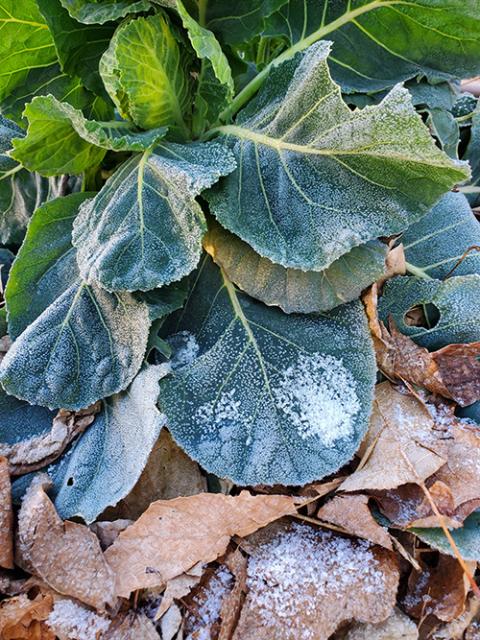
[177,588]
[134,626]
[232,604]
[169,473]
[107,532]
[307,579]
[205,603]
[455,630]
[394,263]
[176,534]
[397,627]
[6,517]
[70,620]
[22,618]
[29,455]
[171,623]
[66,555]
[400,427]
[352,513]
[440,591]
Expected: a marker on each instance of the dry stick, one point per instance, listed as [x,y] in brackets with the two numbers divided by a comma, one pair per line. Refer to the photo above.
[474,247]
[447,533]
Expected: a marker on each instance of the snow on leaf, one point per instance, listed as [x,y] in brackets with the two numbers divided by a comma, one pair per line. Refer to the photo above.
[315,179]
[6,517]
[270,397]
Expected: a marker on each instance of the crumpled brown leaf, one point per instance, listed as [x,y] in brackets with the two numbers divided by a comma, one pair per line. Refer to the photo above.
[353,515]
[6,517]
[66,555]
[304,578]
[23,619]
[397,627]
[33,454]
[402,443]
[169,473]
[176,534]
[453,371]
[179,587]
[440,591]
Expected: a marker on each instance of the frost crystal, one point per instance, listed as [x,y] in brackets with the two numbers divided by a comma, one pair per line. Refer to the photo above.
[318,396]
[216,412]
[185,349]
[71,620]
[208,607]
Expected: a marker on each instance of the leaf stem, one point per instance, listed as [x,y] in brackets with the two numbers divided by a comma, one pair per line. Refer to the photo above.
[417,271]
[254,85]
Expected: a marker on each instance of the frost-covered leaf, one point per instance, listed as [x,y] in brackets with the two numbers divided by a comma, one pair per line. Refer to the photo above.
[265,397]
[6,517]
[179,533]
[79,47]
[165,300]
[45,266]
[52,147]
[94,12]
[25,42]
[82,343]
[144,229]
[21,421]
[467,538]
[294,290]
[105,463]
[472,154]
[457,300]
[377,44]
[438,241]
[315,179]
[144,71]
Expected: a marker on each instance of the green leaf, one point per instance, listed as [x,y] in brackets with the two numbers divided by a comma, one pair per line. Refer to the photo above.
[52,146]
[472,154]
[438,241]
[259,396]
[456,299]
[144,71]
[85,343]
[25,43]
[315,179]
[234,22]
[378,43]
[104,464]
[79,47]
[467,538]
[144,229]
[94,12]
[20,420]
[165,300]
[293,290]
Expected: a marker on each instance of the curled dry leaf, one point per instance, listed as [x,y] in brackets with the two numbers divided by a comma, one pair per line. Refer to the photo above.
[24,619]
[402,442]
[6,517]
[440,591]
[303,582]
[29,455]
[352,513]
[169,473]
[66,555]
[396,627]
[453,371]
[179,587]
[176,534]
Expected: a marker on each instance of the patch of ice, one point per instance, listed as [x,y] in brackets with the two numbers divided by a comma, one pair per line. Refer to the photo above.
[318,396]
[185,349]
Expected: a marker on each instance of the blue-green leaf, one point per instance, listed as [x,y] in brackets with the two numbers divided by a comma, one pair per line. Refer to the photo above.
[260,396]
[144,229]
[438,241]
[21,421]
[457,300]
[316,179]
[467,538]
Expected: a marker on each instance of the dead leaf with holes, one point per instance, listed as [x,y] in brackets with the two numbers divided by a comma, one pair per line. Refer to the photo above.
[66,555]
[396,627]
[6,517]
[401,445]
[177,534]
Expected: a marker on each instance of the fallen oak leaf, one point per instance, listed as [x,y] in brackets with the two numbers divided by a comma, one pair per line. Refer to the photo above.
[178,533]
[353,514]
[37,452]
[66,555]
[6,517]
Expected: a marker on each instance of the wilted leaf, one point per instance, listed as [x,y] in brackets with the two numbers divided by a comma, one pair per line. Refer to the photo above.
[262,396]
[178,533]
[457,300]
[397,627]
[144,229]
[352,514]
[6,517]
[303,578]
[66,555]
[405,446]
[294,290]
[315,179]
